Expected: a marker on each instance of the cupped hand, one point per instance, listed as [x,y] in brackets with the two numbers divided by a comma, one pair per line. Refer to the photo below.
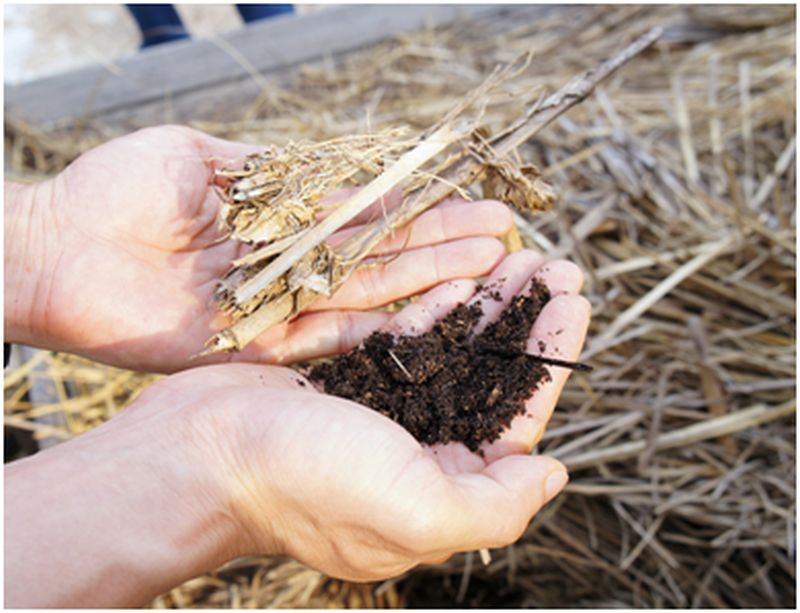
[346,490]
[133,254]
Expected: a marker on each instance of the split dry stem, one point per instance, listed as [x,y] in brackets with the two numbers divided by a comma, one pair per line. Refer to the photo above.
[306,269]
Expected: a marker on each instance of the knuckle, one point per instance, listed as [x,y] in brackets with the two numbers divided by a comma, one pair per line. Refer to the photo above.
[371,287]
[437,264]
[345,331]
[439,225]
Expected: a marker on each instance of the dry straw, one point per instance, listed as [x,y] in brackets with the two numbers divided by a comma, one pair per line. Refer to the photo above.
[676,195]
[301,271]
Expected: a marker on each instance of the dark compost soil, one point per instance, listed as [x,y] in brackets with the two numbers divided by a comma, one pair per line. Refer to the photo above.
[447,384]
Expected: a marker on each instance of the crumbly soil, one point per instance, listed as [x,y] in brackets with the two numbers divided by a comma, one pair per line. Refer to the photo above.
[447,384]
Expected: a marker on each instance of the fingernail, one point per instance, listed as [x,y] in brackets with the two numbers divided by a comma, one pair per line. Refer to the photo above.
[555,483]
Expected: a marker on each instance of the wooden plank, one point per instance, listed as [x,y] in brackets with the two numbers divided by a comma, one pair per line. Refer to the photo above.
[228,101]
[168,72]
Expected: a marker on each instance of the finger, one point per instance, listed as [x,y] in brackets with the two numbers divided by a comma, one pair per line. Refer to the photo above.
[223,153]
[312,336]
[414,271]
[505,282]
[560,277]
[559,332]
[204,227]
[447,221]
[420,316]
[494,507]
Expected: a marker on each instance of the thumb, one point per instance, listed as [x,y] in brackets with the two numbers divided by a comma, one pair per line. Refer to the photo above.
[498,503]
[222,153]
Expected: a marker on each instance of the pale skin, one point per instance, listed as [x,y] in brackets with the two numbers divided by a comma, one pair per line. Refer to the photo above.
[117,257]
[233,459]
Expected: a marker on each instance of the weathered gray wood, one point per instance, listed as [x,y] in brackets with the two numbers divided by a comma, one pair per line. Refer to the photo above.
[227,101]
[165,74]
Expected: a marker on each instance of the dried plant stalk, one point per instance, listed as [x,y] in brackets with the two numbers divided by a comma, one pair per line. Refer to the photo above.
[278,192]
[275,199]
[308,268]
[709,429]
[495,155]
[375,190]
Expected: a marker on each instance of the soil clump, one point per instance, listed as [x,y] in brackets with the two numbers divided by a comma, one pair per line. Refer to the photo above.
[448,384]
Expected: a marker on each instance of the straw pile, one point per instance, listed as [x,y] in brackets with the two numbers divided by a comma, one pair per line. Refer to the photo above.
[677,198]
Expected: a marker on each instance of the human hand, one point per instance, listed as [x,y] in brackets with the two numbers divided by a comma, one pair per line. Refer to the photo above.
[127,254]
[349,492]
[228,460]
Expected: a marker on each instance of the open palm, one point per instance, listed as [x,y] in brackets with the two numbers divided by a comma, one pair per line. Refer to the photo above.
[137,256]
[346,490]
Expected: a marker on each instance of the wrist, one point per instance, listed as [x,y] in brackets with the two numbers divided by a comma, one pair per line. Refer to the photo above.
[128,511]
[238,485]
[32,245]
[185,502]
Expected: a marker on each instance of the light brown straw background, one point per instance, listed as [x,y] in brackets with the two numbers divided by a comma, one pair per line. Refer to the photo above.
[676,184]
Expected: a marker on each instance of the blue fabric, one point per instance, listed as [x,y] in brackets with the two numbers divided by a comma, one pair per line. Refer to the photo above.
[254,12]
[158,23]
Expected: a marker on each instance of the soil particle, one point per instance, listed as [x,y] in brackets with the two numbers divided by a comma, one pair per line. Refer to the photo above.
[447,384]
[492,290]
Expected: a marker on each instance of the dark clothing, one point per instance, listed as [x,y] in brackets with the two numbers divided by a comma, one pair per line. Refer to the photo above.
[254,12]
[160,23]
